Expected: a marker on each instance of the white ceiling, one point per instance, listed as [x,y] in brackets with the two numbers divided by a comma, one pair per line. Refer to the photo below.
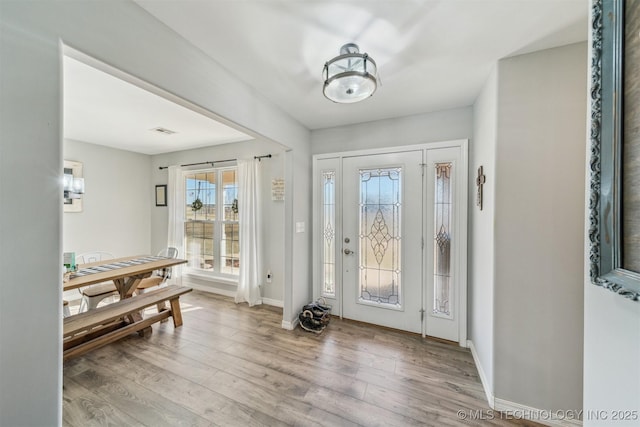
[431,54]
[105,110]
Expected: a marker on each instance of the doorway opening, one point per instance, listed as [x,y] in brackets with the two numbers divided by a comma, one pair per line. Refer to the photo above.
[389,237]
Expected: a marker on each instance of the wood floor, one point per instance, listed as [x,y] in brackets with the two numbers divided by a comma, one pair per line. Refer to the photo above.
[231,365]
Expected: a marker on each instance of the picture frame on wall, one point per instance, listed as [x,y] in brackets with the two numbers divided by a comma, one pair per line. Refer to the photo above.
[161,195]
[614,205]
[72,204]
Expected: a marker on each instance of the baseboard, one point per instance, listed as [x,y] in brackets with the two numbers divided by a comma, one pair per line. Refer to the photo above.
[210,289]
[273,302]
[290,325]
[542,416]
[232,294]
[212,279]
[517,411]
[483,377]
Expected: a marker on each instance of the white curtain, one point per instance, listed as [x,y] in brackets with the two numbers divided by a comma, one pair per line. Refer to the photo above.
[248,205]
[176,206]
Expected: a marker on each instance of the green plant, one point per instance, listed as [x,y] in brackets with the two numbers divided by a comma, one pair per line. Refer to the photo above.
[196,205]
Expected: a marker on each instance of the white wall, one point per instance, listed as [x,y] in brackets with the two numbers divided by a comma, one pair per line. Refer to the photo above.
[30,228]
[273,243]
[611,348]
[482,152]
[272,213]
[116,204]
[611,355]
[123,35]
[298,198]
[539,210]
[417,129]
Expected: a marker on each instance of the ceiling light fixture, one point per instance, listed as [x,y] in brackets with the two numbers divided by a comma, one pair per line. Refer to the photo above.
[350,77]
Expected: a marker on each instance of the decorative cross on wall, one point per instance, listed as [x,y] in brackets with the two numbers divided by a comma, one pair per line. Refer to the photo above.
[480,180]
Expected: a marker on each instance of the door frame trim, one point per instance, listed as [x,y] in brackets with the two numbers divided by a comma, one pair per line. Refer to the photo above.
[463,202]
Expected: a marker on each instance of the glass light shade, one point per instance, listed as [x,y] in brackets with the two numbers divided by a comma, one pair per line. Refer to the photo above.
[68,182]
[350,77]
[78,185]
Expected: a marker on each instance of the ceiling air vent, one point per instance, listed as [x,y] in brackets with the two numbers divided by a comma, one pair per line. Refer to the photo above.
[163,131]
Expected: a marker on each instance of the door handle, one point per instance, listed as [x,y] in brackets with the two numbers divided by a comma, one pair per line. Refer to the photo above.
[348,251]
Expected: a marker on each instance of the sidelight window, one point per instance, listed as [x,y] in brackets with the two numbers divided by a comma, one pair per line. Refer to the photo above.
[442,241]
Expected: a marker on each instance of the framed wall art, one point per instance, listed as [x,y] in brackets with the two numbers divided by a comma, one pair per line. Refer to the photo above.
[161,195]
[614,205]
[73,189]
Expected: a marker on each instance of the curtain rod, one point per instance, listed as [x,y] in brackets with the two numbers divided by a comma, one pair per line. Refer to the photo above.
[266,156]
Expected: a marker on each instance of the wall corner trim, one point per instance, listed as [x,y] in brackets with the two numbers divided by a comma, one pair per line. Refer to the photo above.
[290,325]
[483,375]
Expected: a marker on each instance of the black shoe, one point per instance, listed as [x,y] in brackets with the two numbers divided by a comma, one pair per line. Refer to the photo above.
[317,311]
[318,307]
[308,323]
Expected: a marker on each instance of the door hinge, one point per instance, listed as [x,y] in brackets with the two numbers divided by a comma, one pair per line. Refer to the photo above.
[422,165]
[422,311]
[423,243]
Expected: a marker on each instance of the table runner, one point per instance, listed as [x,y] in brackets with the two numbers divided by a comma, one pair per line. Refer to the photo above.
[115,265]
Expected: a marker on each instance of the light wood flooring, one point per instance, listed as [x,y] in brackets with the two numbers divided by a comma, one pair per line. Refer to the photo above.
[231,365]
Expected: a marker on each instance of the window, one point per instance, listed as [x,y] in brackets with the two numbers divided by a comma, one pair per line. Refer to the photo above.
[443,283]
[329,233]
[212,229]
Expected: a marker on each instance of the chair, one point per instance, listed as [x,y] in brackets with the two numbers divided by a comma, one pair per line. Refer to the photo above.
[94,294]
[65,308]
[158,277]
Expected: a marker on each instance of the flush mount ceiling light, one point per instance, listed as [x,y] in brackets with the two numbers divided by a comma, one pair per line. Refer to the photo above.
[350,77]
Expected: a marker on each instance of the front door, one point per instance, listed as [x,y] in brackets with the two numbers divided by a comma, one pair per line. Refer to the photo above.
[390,237]
[382,239]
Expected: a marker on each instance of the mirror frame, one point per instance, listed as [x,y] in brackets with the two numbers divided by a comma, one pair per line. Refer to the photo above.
[605,212]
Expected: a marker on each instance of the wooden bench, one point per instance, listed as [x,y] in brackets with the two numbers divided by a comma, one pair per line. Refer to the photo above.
[95,328]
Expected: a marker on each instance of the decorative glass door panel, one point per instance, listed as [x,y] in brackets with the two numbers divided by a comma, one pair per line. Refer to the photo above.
[328,233]
[381,245]
[380,237]
[442,241]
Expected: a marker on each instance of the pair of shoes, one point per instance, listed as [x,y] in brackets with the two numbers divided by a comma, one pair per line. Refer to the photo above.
[319,307]
[309,323]
[315,316]
[321,316]
[318,310]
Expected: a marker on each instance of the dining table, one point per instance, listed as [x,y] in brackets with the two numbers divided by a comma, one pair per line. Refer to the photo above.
[94,328]
[126,273]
